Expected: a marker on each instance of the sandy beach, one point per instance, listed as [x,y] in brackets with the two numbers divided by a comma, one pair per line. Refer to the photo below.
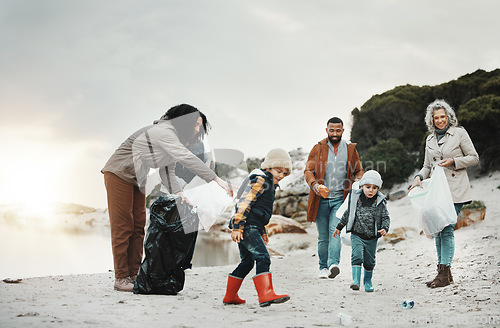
[401,271]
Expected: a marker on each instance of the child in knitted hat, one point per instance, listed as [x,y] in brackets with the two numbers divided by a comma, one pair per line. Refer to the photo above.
[253,211]
[367,219]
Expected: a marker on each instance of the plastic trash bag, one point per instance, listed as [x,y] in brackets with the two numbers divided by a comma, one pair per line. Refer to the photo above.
[344,205]
[166,247]
[210,201]
[433,203]
[344,236]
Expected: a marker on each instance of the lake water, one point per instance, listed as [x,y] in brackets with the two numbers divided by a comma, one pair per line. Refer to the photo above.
[28,252]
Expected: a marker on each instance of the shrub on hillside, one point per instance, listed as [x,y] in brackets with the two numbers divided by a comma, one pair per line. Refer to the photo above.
[481,117]
[391,159]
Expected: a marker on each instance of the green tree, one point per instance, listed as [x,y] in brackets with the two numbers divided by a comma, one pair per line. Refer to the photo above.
[391,159]
[399,113]
[481,118]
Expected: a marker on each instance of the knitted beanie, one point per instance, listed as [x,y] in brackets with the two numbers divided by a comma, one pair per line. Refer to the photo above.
[277,158]
[371,177]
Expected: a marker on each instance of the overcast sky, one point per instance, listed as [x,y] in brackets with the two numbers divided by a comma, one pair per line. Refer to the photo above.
[78,77]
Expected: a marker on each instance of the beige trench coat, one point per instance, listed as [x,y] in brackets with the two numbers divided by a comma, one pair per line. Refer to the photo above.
[455,144]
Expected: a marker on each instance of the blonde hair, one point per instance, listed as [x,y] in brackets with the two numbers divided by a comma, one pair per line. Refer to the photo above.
[435,105]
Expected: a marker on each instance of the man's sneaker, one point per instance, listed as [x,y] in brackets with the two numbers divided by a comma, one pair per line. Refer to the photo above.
[323,273]
[123,285]
[333,271]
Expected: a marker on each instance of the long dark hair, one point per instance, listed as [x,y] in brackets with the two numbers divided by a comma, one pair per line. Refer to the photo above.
[184,118]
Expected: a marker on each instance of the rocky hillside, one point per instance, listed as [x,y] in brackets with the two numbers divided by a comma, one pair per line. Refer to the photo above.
[398,114]
[291,199]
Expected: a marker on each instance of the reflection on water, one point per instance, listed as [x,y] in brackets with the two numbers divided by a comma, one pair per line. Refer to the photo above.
[213,252]
[33,252]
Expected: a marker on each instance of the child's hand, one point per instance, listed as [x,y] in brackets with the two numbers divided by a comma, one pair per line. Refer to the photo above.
[382,232]
[265,238]
[236,236]
[336,233]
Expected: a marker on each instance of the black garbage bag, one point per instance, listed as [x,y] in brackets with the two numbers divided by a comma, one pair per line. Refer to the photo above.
[166,247]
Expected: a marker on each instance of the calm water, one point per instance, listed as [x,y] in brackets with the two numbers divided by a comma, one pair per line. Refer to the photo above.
[213,252]
[27,252]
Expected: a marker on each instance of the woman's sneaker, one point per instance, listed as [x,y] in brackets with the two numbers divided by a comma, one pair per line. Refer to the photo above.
[123,285]
[132,279]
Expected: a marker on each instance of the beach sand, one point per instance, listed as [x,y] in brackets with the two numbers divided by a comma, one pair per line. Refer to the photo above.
[400,274]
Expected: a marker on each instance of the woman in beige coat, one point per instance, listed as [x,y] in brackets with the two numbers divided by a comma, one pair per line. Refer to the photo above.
[449,146]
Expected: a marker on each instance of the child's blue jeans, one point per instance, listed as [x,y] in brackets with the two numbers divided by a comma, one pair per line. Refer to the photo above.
[252,250]
[363,252]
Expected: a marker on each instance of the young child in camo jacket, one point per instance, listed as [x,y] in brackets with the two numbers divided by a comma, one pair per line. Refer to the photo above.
[367,219]
[253,211]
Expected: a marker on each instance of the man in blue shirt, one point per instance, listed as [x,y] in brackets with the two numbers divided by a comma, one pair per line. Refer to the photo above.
[332,163]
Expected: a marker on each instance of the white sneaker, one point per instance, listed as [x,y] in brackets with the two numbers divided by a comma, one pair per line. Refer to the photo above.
[333,271]
[323,273]
[123,285]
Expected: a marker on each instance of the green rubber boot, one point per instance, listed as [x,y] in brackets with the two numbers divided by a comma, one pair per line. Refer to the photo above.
[367,281]
[356,277]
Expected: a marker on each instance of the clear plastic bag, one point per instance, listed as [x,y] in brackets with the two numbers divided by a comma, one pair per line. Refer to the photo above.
[433,203]
[210,201]
[344,236]
[343,207]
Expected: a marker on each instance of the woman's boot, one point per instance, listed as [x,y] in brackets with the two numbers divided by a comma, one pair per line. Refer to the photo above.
[233,285]
[367,281]
[264,285]
[356,277]
[438,269]
[443,278]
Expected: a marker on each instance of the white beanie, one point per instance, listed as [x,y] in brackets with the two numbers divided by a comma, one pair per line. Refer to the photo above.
[277,158]
[371,177]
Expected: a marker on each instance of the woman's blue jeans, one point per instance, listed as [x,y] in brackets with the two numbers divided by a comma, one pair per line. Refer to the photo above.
[326,223]
[252,250]
[445,242]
